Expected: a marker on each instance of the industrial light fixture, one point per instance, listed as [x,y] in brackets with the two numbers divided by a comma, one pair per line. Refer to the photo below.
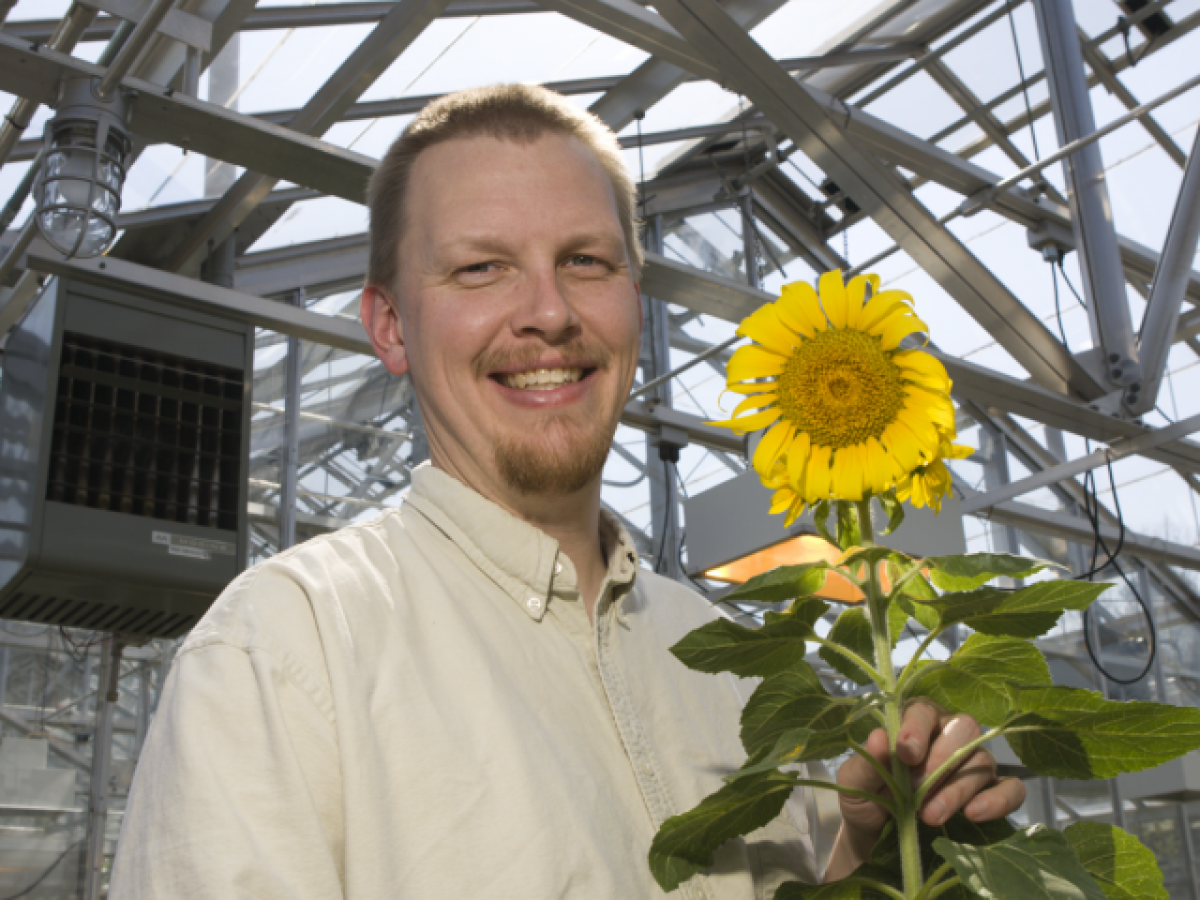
[86,149]
[804,548]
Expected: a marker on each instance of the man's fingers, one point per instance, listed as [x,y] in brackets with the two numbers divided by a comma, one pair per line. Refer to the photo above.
[916,731]
[956,733]
[1003,798]
[968,781]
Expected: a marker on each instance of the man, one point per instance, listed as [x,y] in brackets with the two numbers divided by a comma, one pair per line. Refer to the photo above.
[472,696]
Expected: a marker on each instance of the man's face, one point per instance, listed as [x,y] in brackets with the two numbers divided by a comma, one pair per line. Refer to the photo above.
[518,313]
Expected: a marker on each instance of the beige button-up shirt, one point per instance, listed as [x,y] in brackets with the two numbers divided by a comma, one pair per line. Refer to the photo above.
[419,707]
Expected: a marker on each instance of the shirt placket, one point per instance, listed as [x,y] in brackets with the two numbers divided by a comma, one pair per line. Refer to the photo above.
[633,736]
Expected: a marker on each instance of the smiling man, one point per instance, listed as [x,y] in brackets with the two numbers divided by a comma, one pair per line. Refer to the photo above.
[472,696]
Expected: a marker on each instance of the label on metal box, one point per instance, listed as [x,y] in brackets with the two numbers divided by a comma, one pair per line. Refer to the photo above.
[192,547]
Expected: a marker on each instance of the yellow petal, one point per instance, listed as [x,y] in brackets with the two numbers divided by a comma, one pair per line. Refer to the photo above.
[903,446]
[750,387]
[817,480]
[771,446]
[936,407]
[898,328]
[957,451]
[797,461]
[753,361]
[856,296]
[923,369]
[799,308]
[881,306]
[848,473]
[796,509]
[833,298]
[758,401]
[764,327]
[752,422]
[922,429]
[880,470]
[781,500]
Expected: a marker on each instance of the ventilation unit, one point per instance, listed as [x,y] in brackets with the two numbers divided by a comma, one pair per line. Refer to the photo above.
[124,428]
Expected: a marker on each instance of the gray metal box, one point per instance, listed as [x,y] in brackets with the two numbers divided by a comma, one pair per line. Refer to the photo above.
[731,520]
[124,434]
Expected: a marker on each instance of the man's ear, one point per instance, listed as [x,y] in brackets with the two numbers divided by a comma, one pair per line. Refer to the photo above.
[381,320]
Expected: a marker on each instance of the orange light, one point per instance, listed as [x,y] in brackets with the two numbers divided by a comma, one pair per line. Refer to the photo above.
[805,548]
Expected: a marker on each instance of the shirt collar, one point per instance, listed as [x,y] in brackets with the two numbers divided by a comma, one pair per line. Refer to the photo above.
[520,558]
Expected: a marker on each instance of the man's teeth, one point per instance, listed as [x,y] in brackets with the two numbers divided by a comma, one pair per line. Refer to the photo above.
[542,379]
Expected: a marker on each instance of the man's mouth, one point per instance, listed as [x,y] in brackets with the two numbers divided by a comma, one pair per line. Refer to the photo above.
[541,379]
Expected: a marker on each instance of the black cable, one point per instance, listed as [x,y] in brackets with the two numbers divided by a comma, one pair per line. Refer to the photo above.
[46,874]
[1068,281]
[1012,24]
[1058,309]
[662,543]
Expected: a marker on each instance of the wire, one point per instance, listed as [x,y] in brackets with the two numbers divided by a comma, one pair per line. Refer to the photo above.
[662,542]
[1058,309]
[46,874]
[1012,24]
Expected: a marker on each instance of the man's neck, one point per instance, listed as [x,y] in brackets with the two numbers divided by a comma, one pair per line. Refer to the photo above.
[573,520]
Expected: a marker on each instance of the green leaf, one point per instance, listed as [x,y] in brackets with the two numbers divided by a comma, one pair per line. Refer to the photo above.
[685,844]
[725,646]
[848,532]
[852,630]
[781,584]
[872,556]
[855,887]
[792,699]
[1069,733]
[1122,865]
[1028,613]
[1034,864]
[922,612]
[788,748]
[893,509]
[974,679]
[968,571]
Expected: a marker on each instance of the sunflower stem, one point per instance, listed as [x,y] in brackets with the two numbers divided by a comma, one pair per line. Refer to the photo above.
[905,805]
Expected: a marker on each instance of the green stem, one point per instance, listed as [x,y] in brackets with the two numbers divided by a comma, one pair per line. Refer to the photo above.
[934,880]
[849,792]
[953,761]
[886,890]
[906,809]
[910,671]
[944,886]
[888,780]
[849,654]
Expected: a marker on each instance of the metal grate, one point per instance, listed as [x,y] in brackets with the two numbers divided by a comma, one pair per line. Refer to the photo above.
[94,616]
[147,434]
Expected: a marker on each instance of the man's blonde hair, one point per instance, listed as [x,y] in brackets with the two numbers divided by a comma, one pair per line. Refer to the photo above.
[514,112]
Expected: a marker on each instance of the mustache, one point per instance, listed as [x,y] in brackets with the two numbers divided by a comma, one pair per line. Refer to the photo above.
[577,352]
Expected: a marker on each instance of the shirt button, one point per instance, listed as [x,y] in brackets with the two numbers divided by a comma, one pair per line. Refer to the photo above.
[535,604]
[558,568]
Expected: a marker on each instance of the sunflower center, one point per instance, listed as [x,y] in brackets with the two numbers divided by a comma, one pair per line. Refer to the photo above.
[840,388]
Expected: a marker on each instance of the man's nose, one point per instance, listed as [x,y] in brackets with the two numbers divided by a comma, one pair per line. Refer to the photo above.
[544,307]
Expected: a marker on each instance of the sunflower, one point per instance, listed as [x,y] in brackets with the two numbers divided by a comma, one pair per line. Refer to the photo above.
[846,412]
[927,485]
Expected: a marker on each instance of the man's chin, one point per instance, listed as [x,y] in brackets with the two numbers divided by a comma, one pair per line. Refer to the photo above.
[552,467]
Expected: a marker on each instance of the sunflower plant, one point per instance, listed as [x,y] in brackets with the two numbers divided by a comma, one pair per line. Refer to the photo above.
[853,414]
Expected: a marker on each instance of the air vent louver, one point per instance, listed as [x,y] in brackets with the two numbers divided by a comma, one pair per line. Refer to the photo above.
[146,434]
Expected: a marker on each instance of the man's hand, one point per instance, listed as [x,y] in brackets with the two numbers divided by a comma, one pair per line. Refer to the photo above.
[927,739]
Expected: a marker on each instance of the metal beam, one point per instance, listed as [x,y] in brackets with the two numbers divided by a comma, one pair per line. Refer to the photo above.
[1079,530]
[1161,320]
[394,33]
[163,115]
[876,190]
[1117,450]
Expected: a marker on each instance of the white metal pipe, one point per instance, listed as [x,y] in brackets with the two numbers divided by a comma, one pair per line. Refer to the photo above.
[1171,280]
[145,30]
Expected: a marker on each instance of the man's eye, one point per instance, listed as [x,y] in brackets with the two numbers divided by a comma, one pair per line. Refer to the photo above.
[482,268]
[583,260]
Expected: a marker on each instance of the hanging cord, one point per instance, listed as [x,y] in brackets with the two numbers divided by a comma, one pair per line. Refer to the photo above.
[672,472]
[1012,25]
[1091,508]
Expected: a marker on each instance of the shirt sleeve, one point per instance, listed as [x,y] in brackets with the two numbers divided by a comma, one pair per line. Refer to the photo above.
[238,789]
